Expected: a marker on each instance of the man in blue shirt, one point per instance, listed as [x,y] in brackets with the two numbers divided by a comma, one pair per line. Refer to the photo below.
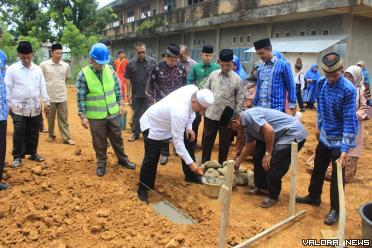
[337,129]
[275,81]
[276,130]
[3,114]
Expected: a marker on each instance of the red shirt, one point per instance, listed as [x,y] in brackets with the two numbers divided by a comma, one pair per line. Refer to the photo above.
[120,67]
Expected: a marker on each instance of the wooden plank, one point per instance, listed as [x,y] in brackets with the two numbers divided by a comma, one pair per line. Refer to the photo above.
[292,194]
[341,197]
[269,230]
[225,198]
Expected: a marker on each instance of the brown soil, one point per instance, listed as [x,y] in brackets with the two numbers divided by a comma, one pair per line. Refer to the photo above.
[62,203]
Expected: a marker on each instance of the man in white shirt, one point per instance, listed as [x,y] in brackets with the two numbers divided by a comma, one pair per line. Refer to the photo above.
[56,72]
[172,117]
[25,86]
[300,84]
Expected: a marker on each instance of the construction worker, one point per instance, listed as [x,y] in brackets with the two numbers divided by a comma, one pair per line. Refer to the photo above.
[99,105]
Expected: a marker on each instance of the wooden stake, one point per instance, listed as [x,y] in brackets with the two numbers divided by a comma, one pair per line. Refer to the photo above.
[292,195]
[341,197]
[224,199]
[269,230]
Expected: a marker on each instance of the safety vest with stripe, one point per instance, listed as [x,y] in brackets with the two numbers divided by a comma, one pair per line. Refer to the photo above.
[101,99]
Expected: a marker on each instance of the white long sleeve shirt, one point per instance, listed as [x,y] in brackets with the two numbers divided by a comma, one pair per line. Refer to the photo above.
[169,118]
[25,87]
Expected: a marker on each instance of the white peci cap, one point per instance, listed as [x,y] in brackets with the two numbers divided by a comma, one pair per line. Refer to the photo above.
[205,97]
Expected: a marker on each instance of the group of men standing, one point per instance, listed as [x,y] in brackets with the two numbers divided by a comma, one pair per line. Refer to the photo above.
[168,100]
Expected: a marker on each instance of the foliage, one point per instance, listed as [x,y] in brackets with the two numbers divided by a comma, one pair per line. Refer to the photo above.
[149,24]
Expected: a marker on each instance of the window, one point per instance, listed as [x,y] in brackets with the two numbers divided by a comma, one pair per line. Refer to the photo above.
[194,42]
[130,17]
[191,2]
[287,34]
[302,33]
[199,42]
[325,32]
[241,39]
[248,39]
[234,39]
[145,12]
[313,33]
[169,5]
[277,34]
[115,24]
[203,42]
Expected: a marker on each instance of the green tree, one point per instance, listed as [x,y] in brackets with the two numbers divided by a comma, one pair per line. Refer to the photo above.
[82,13]
[26,15]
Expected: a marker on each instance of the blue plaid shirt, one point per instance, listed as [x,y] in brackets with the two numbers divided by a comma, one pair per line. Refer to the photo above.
[3,100]
[337,120]
[274,80]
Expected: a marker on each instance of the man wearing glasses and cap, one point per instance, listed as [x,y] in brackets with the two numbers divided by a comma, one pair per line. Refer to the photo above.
[226,87]
[166,77]
[172,117]
[336,133]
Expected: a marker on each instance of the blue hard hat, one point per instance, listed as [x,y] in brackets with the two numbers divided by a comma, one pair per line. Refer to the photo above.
[100,53]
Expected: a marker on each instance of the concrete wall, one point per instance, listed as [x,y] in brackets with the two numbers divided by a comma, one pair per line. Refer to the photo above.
[360,45]
[255,31]
[332,23]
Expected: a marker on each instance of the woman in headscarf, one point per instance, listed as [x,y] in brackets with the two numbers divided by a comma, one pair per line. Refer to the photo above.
[354,75]
[279,55]
[238,68]
[311,77]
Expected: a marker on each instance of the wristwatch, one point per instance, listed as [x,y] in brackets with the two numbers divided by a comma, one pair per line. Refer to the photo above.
[267,154]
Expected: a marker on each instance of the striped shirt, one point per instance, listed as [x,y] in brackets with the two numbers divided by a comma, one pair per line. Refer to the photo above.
[83,90]
[3,98]
[274,80]
[337,120]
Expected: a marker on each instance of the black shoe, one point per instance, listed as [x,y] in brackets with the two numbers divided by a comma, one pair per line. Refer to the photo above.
[197,179]
[37,158]
[101,170]
[127,164]
[163,160]
[143,196]
[308,200]
[133,137]
[331,218]
[268,202]
[17,162]
[4,186]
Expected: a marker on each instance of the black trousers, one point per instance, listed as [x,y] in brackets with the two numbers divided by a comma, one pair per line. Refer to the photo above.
[3,125]
[139,106]
[26,135]
[209,136]
[271,180]
[299,96]
[323,156]
[151,159]
[195,126]
[100,131]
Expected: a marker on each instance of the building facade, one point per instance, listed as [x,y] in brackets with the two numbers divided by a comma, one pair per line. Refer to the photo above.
[236,24]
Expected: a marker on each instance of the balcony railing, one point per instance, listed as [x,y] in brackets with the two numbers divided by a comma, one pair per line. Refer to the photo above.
[178,18]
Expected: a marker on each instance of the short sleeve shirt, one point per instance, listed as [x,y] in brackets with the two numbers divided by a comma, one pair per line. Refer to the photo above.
[287,129]
[55,79]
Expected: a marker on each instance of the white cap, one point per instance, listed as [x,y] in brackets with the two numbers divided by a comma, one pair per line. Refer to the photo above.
[205,97]
[361,63]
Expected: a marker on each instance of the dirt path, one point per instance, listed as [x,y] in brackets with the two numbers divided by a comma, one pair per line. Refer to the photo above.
[62,203]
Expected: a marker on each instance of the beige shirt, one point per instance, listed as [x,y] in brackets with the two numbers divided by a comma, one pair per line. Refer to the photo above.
[227,91]
[55,79]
